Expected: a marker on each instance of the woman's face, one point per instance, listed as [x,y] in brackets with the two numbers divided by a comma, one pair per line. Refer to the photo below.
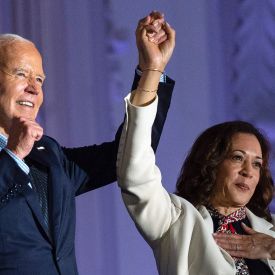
[239,173]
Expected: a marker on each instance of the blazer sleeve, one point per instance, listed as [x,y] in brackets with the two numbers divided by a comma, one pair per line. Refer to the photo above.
[99,161]
[165,91]
[147,201]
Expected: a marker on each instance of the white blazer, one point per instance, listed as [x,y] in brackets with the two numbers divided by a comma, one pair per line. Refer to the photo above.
[179,234]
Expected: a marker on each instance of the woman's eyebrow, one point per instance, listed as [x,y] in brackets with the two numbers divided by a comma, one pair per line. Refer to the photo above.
[242,151]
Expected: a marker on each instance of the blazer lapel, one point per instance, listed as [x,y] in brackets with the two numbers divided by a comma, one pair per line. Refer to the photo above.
[207,218]
[257,223]
[33,203]
[43,155]
[260,224]
[263,226]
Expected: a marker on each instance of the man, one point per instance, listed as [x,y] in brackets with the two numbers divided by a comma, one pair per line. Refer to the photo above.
[39,179]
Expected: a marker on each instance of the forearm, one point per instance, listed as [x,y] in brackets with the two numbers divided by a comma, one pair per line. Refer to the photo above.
[165,92]
[147,88]
[136,134]
[139,178]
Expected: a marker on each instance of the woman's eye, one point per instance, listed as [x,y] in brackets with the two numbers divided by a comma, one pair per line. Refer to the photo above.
[258,164]
[237,158]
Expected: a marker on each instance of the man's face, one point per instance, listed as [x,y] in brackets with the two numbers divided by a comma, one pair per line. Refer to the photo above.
[21,79]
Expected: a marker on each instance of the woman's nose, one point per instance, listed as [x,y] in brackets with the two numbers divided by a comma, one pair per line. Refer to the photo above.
[246,170]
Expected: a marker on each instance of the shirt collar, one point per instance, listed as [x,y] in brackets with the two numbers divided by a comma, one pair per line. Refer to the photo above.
[3,141]
[237,215]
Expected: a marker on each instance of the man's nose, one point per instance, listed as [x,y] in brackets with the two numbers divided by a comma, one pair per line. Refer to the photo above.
[32,87]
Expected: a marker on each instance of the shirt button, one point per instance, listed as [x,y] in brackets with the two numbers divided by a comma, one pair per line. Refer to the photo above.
[3,200]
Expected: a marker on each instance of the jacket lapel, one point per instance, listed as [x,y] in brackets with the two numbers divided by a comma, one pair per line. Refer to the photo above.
[32,201]
[260,224]
[207,218]
[43,155]
[257,223]
[263,226]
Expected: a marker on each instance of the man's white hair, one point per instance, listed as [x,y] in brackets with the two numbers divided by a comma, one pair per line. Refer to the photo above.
[8,38]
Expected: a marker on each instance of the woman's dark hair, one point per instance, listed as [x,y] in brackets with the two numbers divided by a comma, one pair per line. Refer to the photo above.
[198,174]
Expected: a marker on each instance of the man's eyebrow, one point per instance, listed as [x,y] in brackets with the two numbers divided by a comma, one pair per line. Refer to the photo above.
[258,157]
[25,70]
[19,69]
[42,75]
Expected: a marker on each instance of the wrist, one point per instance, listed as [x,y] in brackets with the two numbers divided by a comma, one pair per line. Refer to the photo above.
[153,70]
[155,65]
[149,80]
[15,152]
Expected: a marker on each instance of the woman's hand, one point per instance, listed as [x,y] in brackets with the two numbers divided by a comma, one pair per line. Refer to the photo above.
[255,245]
[155,41]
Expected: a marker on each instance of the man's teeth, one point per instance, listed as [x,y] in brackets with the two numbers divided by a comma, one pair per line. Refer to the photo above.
[26,103]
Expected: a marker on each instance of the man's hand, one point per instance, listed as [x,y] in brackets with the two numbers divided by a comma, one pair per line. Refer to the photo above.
[255,245]
[23,133]
[155,41]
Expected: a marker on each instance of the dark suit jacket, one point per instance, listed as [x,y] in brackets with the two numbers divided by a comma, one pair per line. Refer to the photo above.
[25,246]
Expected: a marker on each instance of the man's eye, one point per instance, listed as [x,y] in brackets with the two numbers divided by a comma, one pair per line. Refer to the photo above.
[39,80]
[21,74]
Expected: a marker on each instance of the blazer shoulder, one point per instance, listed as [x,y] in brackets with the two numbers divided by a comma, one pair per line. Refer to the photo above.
[46,150]
[46,142]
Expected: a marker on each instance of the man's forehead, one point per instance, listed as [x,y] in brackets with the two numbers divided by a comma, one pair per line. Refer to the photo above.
[19,53]
[14,49]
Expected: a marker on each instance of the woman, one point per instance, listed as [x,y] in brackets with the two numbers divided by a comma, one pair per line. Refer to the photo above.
[225,181]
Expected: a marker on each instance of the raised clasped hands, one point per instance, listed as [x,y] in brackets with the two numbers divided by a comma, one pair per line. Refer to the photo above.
[155,41]
[255,245]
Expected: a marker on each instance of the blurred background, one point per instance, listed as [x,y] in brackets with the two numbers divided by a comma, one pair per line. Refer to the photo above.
[224,67]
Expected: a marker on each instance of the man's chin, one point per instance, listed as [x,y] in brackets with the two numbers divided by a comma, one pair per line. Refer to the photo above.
[26,115]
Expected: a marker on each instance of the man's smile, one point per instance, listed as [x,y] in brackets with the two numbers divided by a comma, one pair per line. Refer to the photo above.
[25,103]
